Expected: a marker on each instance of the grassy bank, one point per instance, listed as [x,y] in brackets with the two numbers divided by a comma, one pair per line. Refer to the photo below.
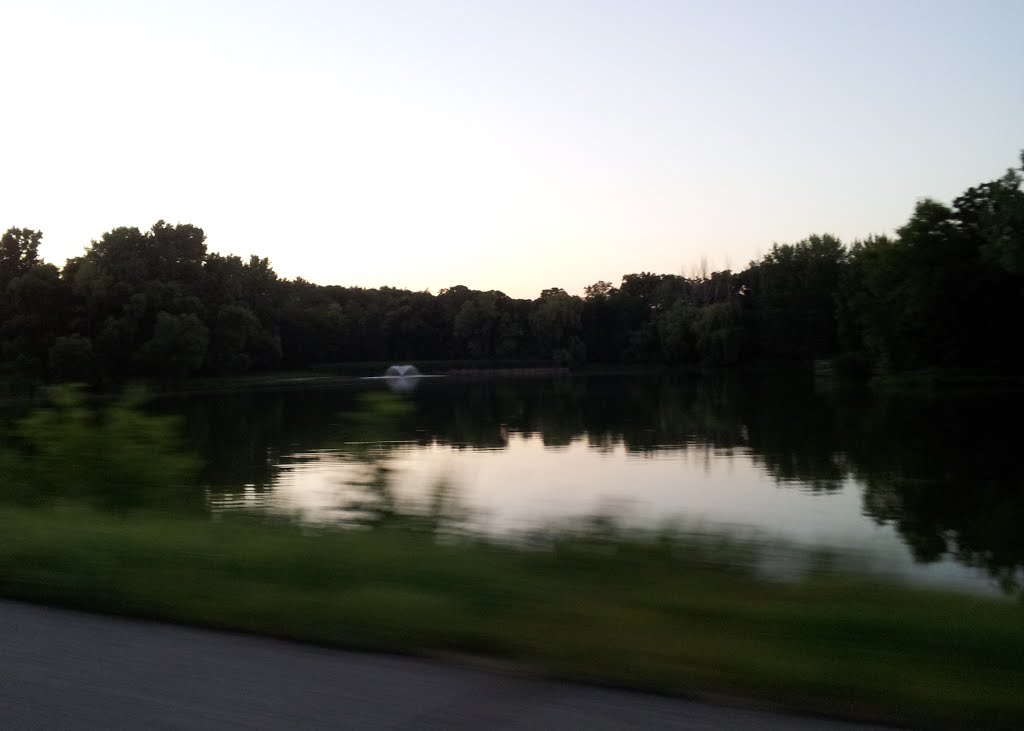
[677,616]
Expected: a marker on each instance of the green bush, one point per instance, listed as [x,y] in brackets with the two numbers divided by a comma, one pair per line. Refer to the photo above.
[115,458]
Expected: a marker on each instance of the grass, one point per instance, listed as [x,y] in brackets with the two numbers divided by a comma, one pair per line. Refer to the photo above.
[658,615]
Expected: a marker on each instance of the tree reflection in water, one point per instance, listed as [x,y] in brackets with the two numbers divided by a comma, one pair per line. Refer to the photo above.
[943,469]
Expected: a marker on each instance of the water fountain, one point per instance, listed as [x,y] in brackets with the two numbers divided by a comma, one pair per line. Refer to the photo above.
[402,378]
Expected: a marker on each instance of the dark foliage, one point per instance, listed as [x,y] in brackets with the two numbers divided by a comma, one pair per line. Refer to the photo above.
[944,293]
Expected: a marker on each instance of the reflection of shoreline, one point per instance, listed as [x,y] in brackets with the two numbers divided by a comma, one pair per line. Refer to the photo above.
[516,491]
[941,471]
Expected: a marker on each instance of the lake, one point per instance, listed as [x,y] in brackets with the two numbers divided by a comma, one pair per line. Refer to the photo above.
[927,488]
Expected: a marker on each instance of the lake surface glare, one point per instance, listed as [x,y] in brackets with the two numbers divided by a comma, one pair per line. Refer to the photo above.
[925,488]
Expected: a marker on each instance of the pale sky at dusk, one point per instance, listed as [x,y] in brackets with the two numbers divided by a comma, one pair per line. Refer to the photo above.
[512,145]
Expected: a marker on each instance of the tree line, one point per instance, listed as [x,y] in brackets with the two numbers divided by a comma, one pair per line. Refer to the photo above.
[944,292]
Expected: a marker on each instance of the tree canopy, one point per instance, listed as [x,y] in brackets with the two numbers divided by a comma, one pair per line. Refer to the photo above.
[945,291]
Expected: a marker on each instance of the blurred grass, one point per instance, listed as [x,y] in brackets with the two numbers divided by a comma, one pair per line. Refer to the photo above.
[660,614]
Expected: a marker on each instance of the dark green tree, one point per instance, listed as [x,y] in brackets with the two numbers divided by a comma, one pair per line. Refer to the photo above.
[71,359]
[556,326]
[178,346]
[794,289]
[19,252]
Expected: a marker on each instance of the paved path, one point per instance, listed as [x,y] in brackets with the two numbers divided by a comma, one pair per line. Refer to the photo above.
[64,669]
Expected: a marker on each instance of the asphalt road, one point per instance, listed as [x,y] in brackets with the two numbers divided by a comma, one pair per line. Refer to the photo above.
[64,669]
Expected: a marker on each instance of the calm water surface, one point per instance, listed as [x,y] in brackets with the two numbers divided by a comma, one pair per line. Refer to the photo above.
[927,488]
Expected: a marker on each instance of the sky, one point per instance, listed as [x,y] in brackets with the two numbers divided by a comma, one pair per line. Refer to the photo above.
[500,145]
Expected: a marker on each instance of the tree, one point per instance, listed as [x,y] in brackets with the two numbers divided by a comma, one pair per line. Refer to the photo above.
[36,304]
[19,252]
[598,290]
[795,288]
[235,327]
[718,330]
[676,333]
[994,212]
[556,326]
[178,345]
[71,359]
[476,324]
[126,255]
